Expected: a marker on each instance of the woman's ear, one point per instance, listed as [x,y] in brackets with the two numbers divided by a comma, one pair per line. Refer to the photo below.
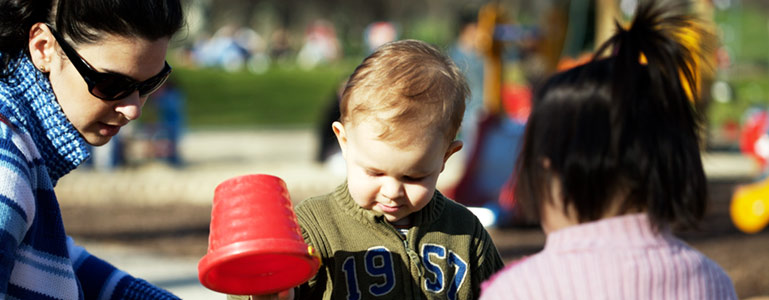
[41,46]
[341,136]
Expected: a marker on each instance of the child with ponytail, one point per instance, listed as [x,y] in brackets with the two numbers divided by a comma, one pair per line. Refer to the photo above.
[611,164]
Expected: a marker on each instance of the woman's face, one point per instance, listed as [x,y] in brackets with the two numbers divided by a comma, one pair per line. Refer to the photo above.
[95,119]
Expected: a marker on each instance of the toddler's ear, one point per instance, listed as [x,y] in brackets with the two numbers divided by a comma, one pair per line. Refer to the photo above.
[453,148]
[341,136]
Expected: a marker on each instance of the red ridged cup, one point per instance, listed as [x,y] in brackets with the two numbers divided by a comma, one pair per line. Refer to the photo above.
[255,245]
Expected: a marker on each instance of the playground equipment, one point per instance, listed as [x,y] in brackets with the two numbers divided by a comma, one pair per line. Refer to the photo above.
[750,207]
[564,40]
[499,127]
[754,138]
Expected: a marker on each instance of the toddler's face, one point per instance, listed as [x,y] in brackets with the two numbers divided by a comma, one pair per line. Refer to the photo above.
[383,177]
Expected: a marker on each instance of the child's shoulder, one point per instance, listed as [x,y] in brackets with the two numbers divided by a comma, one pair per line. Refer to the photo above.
[452,208]
[327,207]
[315,200]
[314,203]
[453,214]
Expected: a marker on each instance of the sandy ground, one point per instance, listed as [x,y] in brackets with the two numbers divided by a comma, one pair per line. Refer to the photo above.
[182,231]
[152,208]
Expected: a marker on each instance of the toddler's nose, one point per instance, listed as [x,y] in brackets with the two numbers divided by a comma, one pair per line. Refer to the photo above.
[392,189]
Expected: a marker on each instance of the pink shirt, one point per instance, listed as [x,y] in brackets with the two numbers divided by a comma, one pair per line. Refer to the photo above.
[614,258]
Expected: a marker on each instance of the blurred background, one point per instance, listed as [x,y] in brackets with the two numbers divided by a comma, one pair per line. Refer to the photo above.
[254,90]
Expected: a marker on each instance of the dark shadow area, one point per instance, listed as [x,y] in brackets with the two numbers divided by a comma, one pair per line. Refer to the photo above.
[512,253]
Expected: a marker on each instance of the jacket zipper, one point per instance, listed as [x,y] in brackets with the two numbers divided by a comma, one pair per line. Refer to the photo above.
[413,256]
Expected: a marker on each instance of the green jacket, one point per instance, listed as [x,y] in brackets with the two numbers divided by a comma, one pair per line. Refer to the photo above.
[446,254]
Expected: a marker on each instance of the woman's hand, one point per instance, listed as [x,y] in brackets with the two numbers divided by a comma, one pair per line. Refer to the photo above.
[284,295]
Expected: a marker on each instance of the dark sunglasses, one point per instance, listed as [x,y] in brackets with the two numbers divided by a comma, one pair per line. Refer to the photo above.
[110,86]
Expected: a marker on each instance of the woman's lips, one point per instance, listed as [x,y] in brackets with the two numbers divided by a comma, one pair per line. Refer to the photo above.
[109,130]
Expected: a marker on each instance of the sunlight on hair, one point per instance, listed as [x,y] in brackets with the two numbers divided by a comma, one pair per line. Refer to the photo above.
[697,38]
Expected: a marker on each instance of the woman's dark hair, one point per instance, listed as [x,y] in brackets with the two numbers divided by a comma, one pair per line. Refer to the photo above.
[623,126]
[86,21]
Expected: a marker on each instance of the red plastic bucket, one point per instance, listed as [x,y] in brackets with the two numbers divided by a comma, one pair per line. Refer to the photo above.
[255,245]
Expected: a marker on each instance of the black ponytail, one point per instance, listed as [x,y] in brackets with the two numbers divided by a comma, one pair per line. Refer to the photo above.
[655,114]
[625,124]
[86,21]
[16,18]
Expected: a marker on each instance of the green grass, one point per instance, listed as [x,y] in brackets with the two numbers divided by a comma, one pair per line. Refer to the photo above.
[280,97]
[288,96]
[745,34]
[750,92]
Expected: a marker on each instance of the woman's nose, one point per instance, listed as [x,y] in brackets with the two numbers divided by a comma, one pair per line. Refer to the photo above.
[131,106]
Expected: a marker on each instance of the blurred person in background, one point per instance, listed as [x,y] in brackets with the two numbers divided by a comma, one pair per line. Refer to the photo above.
[328,153]
[464,53]
[320,45]
[169,100]
[489,130]
[379,33]
[223,50]
[280,46]
[72,73]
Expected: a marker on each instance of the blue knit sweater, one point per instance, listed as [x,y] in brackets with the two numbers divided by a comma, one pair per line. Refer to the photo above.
[38,145]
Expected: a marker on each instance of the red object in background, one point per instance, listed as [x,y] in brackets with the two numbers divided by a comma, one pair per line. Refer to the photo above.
[255,245]
[754,128]
[731,130]
[516,100]
[507,195]
[517,103]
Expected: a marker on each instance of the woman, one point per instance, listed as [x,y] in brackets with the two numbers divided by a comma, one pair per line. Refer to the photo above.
[72,73]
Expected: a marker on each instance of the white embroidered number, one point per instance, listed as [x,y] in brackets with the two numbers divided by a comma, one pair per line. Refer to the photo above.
[378,263]
[460,270]
[353,293]
[435,286]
